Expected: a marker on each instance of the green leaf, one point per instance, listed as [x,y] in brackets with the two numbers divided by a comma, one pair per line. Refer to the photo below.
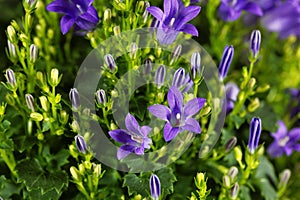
[34,177]
[24,142]
[136,185]
[37,194]
[7,144]
[46,126]
[244,193]
[7,189]
[167,178]
[238,121]
[268,117]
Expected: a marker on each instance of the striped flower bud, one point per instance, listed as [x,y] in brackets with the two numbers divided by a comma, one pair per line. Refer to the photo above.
[11,50]
[29,101]
[234,191]
[10,77]
[195,64]
[146,13]
[148,66]
[255,40]
[226,181]
[284,178]
[110,62]
[179,77]
[80,144]
[107,15]
[74,98]
[255,131]
[230,144]
[33,52]
[155,189]
[11,33]
[160,75]
[176,53]
[101,97]
[225,61]
[232,172]
[133,50]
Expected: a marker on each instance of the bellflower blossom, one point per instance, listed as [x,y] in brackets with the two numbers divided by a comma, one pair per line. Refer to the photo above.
[284,19]
[178,116]
[231,10]
[78,12]
[285,142]
[135,139]
[173,20]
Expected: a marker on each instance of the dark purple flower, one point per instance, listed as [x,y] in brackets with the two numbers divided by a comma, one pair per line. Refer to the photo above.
[285,142]
[179,116]
[155,189]
[80,144]
[283,19]
[182,81]
[78,12]
[225,61]
[135,139]
[174,20]
[231,10]
[232,91]
[254,134]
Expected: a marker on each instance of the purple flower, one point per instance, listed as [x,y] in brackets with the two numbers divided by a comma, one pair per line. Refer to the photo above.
[182,81]
[174,20]
[155,189]
[231,10]
[135,139]
[255,131]
[80,144]
[284,19]
[78,12]
[179,116]
[232,91]
[225,61]
[285,142]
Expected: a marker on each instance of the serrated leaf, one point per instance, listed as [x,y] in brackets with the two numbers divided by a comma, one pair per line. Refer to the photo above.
[268,117]
[238,121]
[136,185]
[7,189]
[46,126]
[24,142]
[33,176]
[36,194]
[167,178]
[244,193]
[7,144]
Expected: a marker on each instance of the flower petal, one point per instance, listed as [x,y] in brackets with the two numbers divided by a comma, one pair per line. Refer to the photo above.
[139,151]
[170,132]
[156,12]
[186,15]
[124,151]
[192,125]
[189,29]
[132,125]
[193,106]
[120,135]
[175,98]
[253,8]
[294,135]
[60,6]
[160,111]
[91,15]
[274,150]
[145,130]
[281,132]
[170,8]
[66,23]
[166,36]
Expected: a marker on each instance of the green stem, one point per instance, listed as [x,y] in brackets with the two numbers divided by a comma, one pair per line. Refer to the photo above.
[9,159]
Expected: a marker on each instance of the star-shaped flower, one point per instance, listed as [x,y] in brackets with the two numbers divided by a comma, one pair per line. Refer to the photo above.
[78,12]
[135,139]
[285,142]
[231,10]
[173,20]
[179,116]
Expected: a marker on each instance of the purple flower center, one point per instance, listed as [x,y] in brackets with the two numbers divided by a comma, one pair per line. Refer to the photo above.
[137,139]
[282,142]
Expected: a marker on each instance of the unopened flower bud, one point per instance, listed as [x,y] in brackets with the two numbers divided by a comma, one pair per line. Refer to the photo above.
[44,103]
[10,77]
[160,75]
[75,127]
[107,15]
[97,170]
[117,30]
[155,189]
[101,97]
[251,82]
[226,181]
[110,62]
[75,173]
[232,172]
[234,191]
[29,101]
[54,77]
[11,33]
[74,98]
[255,40]
[146,13]
[230,144]
[11,50]
[36,116]
[176,53]
[254,105]
[148,66]
[284,178]
[195,64]
[33,52]
[64,117]
[133,50]
[179,77]
[80,144]
[225,61]
[140,7]
[254,134]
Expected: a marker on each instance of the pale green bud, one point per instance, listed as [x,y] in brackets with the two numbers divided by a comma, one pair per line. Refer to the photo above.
[36,116]
[54,77]
[75,173]
[44,103]
[254,105]
[117,30]
[11,34]
[107,15]
[226,181]
[33,52]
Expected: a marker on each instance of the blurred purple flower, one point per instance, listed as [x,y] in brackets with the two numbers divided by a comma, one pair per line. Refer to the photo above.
[231,10]
[135,138]
[232,91]
[179,116]
[78,12]
[284,19]
[174,20]
[285,142]
[295,102]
